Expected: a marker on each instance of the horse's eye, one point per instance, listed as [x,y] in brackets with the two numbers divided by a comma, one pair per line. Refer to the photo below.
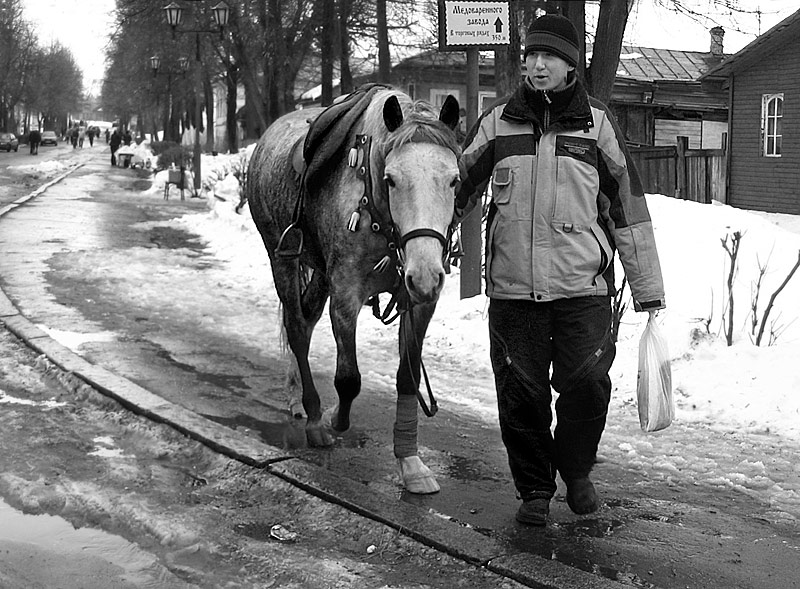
[389,180]
[455,182]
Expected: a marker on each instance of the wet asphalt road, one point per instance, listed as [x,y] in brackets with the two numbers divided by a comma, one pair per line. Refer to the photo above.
[644,535]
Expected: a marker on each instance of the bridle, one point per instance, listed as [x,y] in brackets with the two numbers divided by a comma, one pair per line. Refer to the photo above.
[383,223]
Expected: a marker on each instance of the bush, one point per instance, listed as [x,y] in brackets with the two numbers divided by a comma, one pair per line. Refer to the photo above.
[170,153]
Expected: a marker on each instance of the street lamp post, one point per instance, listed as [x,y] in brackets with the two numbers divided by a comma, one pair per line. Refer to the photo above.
[174,16]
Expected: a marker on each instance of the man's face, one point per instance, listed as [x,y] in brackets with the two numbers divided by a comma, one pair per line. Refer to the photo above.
[547,71]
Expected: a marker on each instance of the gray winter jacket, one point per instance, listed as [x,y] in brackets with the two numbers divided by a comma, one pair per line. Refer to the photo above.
[565,197]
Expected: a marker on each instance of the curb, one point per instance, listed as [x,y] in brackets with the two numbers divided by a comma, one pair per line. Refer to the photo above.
[444,535]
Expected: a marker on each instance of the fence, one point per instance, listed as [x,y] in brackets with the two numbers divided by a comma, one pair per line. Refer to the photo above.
[675,170]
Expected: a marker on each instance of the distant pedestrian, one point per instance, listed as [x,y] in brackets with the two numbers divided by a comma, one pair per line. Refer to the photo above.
[127,137]
[108,134]
[73,137]
[90,135]
[81,135]
[114,142]
[34,139]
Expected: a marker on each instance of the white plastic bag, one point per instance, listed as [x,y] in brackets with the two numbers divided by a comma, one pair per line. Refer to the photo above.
[654,381]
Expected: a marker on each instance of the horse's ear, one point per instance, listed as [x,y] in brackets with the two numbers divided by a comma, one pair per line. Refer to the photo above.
[449,113]
[392,113]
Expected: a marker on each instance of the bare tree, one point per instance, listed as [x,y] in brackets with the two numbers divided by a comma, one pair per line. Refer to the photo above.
[18,50]
[732,249]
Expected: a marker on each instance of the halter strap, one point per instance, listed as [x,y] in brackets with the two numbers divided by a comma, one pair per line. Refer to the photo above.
[422,232]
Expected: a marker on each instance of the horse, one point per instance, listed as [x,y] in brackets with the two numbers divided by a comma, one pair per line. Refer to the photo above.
[371,219]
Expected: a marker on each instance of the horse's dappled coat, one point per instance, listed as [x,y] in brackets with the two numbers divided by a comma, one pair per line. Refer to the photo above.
[412,170]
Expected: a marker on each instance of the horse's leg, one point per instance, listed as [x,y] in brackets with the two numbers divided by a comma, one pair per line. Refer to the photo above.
[417,478]
[301,311]
[314,293]
[344,317]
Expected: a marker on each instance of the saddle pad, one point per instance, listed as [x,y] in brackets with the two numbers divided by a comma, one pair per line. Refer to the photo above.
[324,145]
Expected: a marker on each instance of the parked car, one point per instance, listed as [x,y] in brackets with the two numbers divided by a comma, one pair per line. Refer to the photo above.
[9,141]
[49,138]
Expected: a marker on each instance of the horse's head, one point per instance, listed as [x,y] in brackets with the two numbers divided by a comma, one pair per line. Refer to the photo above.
[420,177]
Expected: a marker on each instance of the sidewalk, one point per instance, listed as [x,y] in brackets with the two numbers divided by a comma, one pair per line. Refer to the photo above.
[474,551]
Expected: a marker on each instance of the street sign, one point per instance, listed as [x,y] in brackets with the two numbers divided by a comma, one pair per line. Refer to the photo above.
[472,24]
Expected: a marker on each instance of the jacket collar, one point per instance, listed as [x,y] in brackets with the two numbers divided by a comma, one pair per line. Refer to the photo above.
[569,108]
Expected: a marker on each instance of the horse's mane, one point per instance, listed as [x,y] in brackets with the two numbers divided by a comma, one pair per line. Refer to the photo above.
[421,124]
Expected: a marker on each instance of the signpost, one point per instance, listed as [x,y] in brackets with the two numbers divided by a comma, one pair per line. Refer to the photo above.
[472,26]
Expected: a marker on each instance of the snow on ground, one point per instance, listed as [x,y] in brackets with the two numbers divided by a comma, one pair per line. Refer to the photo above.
[737,421]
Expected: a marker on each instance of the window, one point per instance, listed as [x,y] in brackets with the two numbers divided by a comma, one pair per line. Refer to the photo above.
[771,124]
[485,100]
[438,96]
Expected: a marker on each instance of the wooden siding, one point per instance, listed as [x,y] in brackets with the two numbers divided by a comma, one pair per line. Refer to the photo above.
[757,182]
[701,134]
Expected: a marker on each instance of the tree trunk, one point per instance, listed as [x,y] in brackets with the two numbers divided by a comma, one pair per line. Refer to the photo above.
[576,13]
[255,112]
[508,71]
[384,57]
[346,77]
[231,130]
[279,65]
[611,22]
[208,93]
[326,44]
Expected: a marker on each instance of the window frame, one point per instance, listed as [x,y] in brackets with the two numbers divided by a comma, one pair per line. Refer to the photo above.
[772,141]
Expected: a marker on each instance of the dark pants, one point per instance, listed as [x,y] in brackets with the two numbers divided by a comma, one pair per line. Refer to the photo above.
[114,155]
[527,338]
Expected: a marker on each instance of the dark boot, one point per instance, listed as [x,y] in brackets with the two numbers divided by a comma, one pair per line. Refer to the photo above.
[576,450]
[534,512]
[581,496]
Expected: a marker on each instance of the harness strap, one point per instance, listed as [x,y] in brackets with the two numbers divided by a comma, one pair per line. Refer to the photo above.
[361,162]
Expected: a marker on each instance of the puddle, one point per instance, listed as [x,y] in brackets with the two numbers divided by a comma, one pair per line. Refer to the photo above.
[78,547]
[287,433]
[468,469]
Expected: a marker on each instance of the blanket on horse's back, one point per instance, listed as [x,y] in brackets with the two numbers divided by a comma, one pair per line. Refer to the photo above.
[324,146]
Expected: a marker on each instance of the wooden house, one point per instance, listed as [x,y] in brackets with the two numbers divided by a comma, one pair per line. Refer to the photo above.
[657,94]
[763,84]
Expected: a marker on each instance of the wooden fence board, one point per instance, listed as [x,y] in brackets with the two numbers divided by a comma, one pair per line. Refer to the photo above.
[703,170]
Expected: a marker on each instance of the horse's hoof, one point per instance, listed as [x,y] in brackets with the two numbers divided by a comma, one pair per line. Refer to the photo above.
[334,419]
[318,436]
[417,478]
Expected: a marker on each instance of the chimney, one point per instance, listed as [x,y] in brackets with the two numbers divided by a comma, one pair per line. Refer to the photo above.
[717,34]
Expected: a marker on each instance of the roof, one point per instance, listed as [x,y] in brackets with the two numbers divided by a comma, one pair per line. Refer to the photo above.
[656,65]
[786,31]
[642,64]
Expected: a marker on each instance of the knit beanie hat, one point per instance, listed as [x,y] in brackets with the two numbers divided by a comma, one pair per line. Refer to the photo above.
[555,34]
